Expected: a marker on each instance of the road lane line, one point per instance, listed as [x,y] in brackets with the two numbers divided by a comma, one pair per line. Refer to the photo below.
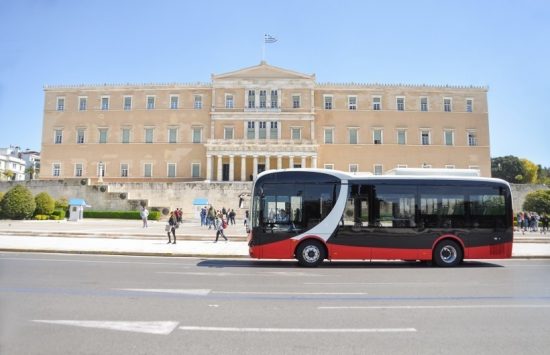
[196,292]
[298,330]
[437,307]
[292,293]
[161,328]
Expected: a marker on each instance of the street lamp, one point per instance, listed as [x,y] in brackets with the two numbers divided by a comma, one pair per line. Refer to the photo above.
[100,168]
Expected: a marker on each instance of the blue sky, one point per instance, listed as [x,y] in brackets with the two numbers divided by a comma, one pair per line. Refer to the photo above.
[500,44]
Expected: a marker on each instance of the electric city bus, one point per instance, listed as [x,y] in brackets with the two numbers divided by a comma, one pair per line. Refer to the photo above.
[317,214]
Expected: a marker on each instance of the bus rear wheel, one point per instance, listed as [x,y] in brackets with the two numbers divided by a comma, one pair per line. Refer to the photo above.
[310,253]
[447,253]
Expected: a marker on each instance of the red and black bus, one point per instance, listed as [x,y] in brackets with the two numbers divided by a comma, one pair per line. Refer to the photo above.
[317,214]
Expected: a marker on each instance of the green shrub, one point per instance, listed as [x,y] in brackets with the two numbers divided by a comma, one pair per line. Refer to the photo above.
[62,204]
[41,217]
[45,204]
[18,203]
[59,213]
[538,201]
[153,215]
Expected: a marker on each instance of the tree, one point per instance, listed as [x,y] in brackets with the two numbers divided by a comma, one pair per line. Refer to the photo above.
[538,201]
[9,174]
[45,204]
[18,203]
[509,168]
[529,171]
[543,175]
[31,171]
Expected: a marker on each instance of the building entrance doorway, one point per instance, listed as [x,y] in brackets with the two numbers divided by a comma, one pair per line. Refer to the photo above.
[225,172]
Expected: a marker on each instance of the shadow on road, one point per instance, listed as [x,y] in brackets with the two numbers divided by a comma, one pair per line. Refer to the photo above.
[292,264]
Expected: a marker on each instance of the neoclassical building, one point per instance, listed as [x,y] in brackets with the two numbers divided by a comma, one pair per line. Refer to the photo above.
[257,118]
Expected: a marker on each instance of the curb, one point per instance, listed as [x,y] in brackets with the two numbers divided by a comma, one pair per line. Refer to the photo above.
[124,253]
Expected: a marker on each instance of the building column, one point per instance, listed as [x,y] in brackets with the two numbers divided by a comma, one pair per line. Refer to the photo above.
[279,162]
[303,161]
[255,167]
[314,161]
[208,167]
[231,168]
[219,177]
[291,161]
[267,158]
[243,167]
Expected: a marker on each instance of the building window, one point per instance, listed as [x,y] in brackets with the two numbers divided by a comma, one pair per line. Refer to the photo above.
[58,136]
[296,134]
[352,103]
[126,135]
[295,101]
[150,102]
[228,133]
[105,103]
[328,102]
[80,136]
[195,170]
[329,132]
[376,103]
[82,103]
[353,168]
[148,170]
[400,103]
[198,102]
[424,104]
[250,130]
[171,170]
[149,134]
[274,131]
[103,135]
[472,138]
[124,170]
[60,104]
[56,169]
[469,105]
[274,99]
[263,99]
[449,137]
[352,132]
[172,135]
[197,135]
[425,137]
[401,136]
[262,131]
[377,136]
[251,99]
[229,103]
[447,104]
[174,102]
[329,166]
[378,169]
[127,103]
[78,170]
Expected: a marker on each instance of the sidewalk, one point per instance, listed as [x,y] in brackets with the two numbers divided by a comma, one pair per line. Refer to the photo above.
[127,237]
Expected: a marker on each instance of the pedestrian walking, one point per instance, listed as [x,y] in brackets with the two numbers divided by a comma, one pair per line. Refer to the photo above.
[144,213]
[220,225]
[544,223]
[246,220]
[203,216]
[171,227]
[211,217]
[231,216]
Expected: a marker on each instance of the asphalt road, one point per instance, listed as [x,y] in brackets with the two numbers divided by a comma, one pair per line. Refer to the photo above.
[76,304]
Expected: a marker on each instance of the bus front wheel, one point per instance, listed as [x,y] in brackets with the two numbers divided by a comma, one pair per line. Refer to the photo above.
[310,253]
[447,253]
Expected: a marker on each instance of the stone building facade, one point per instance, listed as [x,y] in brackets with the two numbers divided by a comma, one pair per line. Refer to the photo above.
[258,118]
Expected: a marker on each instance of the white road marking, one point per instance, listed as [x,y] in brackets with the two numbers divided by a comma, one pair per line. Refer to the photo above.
[292,293]
[440,306]
[162,328]
[298,330]
[197,292]
[390,283]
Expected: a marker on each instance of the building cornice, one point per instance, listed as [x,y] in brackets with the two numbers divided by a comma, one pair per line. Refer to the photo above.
[128,86]
[347,86]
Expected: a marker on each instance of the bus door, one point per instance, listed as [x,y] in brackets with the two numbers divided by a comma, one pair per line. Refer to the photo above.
[394,233]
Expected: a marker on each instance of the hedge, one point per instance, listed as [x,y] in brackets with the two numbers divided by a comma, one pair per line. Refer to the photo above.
[153,215]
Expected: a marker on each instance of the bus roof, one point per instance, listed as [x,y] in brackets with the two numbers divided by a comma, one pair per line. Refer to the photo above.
[430,174]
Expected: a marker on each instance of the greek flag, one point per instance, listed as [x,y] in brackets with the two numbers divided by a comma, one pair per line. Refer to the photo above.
[269,39]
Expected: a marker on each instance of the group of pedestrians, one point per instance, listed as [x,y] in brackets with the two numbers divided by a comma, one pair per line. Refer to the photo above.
[529,222]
